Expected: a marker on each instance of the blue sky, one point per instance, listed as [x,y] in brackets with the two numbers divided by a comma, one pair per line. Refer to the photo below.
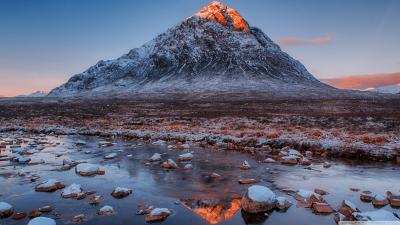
[44,42]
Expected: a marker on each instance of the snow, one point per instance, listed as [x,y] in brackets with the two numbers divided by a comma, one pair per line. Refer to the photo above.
[106,210]
[260,193]
[4,206]
[155,157]
[351,205]
[378,215]
[87,168]
[48,183]
[121,189]
[42,221]
[159,142]
[306,193]
[380,197]
[269,160]
[159,211]
[111,156]
[72,190]
[186,156]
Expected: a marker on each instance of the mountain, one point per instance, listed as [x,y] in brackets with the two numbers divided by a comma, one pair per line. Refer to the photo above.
[215,50]
[36,94]
[387,89]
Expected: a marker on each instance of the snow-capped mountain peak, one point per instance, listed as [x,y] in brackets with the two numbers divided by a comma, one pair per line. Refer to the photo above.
[218,12]
[213,51]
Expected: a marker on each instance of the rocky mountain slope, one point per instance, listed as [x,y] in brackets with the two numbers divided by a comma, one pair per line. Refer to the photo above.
[215,50]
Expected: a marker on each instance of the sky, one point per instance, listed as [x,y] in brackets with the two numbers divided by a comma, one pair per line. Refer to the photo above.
[44,42]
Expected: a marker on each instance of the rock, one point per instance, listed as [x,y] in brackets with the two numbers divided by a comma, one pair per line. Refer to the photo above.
[79,218]
[169,164]
[50,185]
[46,209]
[348,208]
[185,157]
[354,189]
[120,192]
[42,221]
[96,199]
[104,144]
[159,142]
[367,196]
[306,198]
[289,160]
[157,214]
[19,216]
[188,167]
[269,160]
[245,165]
[282,203]
[87,169]
[320,191]
[320,207]
[258,199]
[34,214]
[248,181]
[380,201]
[73,191]
[339,217]
[80,142]
[106,211]
[394,199]
[305,162]
[6,210]
[326,165]
[111,156]
[215,175]
[378,215]
[155,157]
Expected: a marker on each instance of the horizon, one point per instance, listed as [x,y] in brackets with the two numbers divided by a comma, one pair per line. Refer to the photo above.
[45,42]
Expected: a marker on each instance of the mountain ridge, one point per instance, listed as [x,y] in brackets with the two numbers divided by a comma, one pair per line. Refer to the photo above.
[212,51]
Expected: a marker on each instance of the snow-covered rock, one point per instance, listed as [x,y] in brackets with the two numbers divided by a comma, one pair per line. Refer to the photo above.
[42,221]
[282,203]
[380,201]
[159,142]
[121,192]
[269,160]
[87,169]
[378,215]
[258,199]
[169,164]
[155,157]
[6,209]
[157,214]
[49,186]
[245,165]
[185,157]
[106,211]
[188,166]
[72,191]
[111,156]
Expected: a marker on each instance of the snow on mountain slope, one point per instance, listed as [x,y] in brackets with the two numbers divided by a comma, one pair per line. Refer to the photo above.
[213,50]
[387,89]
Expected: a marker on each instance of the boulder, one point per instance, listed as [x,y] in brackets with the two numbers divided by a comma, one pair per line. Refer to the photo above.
[79,218]
[320,191]
[73,191]
[169,164]
[46,209]
[120,192]
[321,207]
[34,214]
[106,211]
[289,160]
[42,221]
[348,208]
[87,169]
[111,156]
[157,214]
[380,201]
[19,216]
[258,199]
[96,199]
[6,209]
[269,160]
[245,165]
[49,186]
[185,157]
[248,181]
[282,203]
[394,199]
[155,157]
[367,196]
[188,167]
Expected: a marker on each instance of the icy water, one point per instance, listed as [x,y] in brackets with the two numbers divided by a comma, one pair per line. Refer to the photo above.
[192,195]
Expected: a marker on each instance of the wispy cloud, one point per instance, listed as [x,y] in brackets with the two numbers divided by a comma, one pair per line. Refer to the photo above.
[314,41]
[362,82]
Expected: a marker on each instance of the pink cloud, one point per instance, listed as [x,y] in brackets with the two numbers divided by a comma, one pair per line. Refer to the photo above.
[314,41]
